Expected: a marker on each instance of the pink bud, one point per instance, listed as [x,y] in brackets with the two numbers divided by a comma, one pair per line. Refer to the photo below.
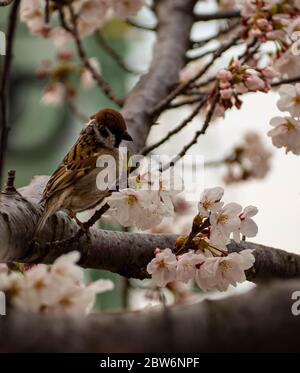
[236,65]
[269,73]
[224,85]
[224,75]
[254,83]
[262,22]
[157,251]
[226,93]
[241,88]
[65,54]
[255,32]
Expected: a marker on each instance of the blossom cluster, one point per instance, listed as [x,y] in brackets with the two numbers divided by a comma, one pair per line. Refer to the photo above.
[269,20]
[205,257]
[60,85]
[147,200]
[90,15]
[249,159]
[52,289]
[286,131]
[238,79]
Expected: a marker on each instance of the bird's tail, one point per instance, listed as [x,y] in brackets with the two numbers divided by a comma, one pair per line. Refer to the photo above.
[42,221]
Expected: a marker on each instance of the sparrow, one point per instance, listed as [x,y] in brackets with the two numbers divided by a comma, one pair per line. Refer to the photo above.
[72,186]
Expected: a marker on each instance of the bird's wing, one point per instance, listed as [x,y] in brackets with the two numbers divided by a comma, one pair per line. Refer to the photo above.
[79,161]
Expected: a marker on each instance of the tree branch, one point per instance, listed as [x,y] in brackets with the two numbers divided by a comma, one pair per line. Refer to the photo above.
[175,19]
[125,253]
[4,84]
[5,2]
[228,14]
[208,326]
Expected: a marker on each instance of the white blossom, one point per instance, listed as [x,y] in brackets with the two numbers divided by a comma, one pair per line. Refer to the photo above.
[56,289]
[65,267]
[248,227]
[163,268]
[210,201]
[54,94]
[290,99]
[141,208]
[3,268]
[87,80]
[288,64]
[126,8]
[186,266]
[286,133]
[223,223]
[220,272]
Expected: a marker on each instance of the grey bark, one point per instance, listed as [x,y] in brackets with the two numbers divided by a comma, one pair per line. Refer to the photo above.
[258,321]
[125,253]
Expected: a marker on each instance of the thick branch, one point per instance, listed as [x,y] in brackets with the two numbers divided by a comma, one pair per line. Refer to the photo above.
[228,14]
[4,84]
[175,19]
[125,253]
[208,326]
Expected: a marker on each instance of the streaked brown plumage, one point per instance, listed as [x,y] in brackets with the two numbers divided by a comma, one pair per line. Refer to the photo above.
[73,185]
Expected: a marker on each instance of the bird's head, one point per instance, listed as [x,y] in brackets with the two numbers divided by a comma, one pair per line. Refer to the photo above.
[110,124]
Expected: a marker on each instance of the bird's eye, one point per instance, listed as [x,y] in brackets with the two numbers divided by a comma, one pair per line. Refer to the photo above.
[104,132]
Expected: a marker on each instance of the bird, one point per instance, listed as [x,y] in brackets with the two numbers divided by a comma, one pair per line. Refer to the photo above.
[72,187]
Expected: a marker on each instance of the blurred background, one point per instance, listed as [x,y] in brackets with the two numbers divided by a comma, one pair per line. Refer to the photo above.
[41,135]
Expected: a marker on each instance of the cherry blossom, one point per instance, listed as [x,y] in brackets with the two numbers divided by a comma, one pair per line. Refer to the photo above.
[31,12]
[141,208]
[186,266]
[249,159]
[290,99]
[286,133]
[248,227]
[56,289]
[287,64]
[86,78]
[54,94]
[268,20]
[126,8]
[3,268]
[220,272]
[90,15]
[238,79]
[223,223]
[210,201]
[163,267]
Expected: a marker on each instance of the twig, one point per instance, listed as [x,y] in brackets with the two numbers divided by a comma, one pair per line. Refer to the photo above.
[125,292]
[286,81]
[5,2]
[141,27]
[4,85]
[85,227]
[113,54]
[188,101]
[147,150]
[218,15]
[47,11]
[197,133]
[104,86]
[182,87]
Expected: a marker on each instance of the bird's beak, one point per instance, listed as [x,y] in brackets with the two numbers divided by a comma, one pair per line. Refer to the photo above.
[126,136]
